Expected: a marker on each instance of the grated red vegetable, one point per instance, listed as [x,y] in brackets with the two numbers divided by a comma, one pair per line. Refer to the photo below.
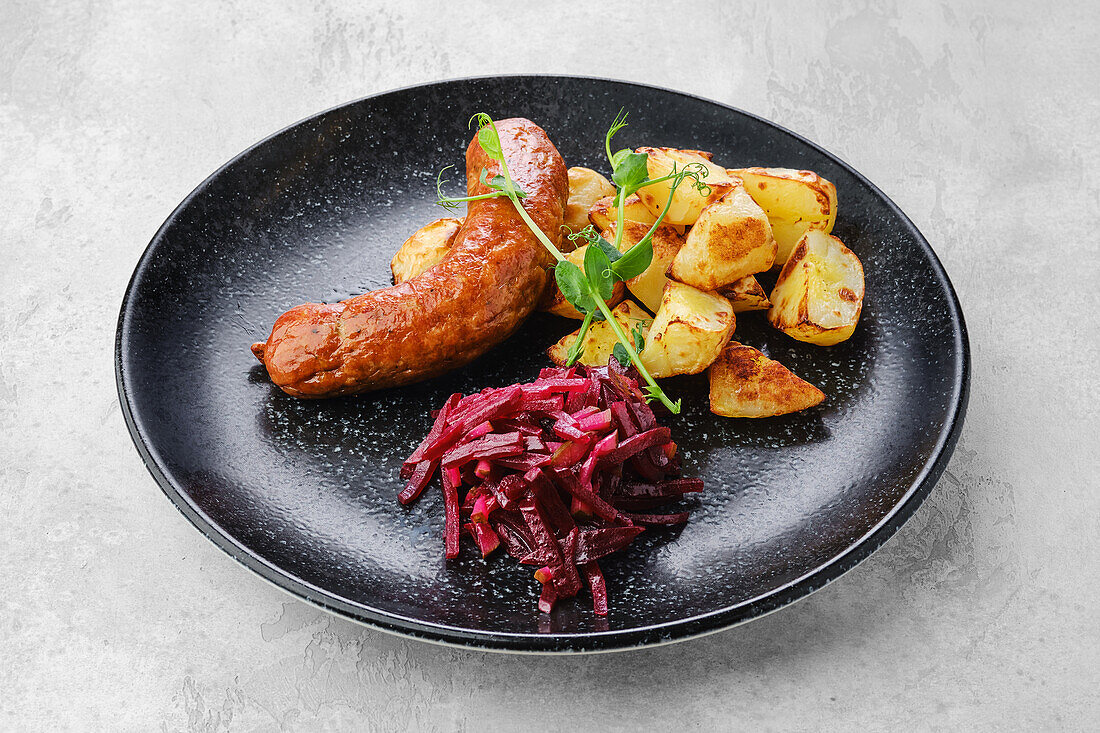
[450,506]
[597,586]
[560,472]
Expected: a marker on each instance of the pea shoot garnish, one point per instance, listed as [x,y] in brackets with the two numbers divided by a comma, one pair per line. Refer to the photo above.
[589,288]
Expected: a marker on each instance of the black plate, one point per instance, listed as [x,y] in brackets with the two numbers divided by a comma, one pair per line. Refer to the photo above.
[304,492]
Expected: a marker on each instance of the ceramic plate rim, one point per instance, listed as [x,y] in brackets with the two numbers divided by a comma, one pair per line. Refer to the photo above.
[612,640]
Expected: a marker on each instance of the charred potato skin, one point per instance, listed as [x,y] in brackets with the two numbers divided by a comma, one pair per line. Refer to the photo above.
[731,239]
[424,249]
[746,295]
[745,383]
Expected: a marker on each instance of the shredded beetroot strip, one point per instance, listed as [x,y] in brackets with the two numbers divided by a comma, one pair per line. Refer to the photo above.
[561,471]
[421,475]
[569,581]
[450,506]
[550,501]
[548,598]
[627,504]
[487,447]
[447,437]
[487,540]
[487,407]
[513,486]
[437,428]
[635,444]
[664,490]
[598,586]
[547,405]
[545,543]
[569,480]
[524,462]
[513,533]
[653,520]
[593,544]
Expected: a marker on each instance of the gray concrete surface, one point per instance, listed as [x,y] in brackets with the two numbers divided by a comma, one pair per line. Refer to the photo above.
[980,120]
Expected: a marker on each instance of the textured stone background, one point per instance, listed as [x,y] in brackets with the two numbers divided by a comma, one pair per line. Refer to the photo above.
[979,120]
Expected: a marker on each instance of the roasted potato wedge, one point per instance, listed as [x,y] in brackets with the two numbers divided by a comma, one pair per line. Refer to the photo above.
[603,213]
[745,383]
[687,203]
[424,249]
[746,295]
[554,302]
[819,294]
[795,202]
[730,240]
[689,331]
[649,286]
[600,340]
[586,187]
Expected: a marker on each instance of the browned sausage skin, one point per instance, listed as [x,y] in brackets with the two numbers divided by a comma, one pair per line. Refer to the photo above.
[476,297]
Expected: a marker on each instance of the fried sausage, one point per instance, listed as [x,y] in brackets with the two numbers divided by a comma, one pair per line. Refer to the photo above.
[454,312]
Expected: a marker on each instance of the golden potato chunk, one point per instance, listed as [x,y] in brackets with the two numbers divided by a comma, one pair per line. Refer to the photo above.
[689,331]
[554,302]
[425,248]
[599,342]
[746,294]
[730,240]
[687,202]
[795,202]
[745,383]
[586,187]
[648,286]
[819,293]
[603,212]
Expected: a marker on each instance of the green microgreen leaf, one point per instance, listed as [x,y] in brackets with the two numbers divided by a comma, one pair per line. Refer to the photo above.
[636,260]
[620,353]
[487,136]
[632,173]
[618,157]
[573,285]
[613,255]
[639,339]
[490,143]
[597,268]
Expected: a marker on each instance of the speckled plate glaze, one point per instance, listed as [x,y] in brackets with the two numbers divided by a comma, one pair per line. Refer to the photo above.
[303,493]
